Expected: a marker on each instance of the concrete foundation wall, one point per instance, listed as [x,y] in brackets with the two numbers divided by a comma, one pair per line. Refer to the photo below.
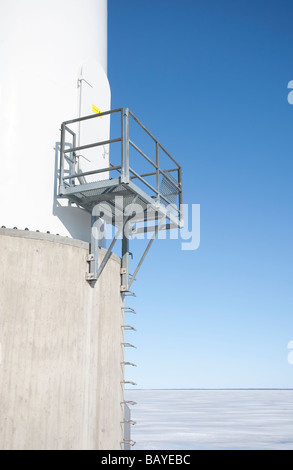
[61,352]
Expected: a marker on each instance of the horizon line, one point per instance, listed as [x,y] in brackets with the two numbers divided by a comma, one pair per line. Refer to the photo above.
[249,388]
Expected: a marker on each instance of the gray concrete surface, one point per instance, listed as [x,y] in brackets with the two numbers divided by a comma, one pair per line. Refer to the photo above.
[61,353]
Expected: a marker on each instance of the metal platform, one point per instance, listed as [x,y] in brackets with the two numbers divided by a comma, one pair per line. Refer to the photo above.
[119,196]
[125,193]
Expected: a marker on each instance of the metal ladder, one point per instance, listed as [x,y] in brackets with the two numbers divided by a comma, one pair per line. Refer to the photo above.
[127,442]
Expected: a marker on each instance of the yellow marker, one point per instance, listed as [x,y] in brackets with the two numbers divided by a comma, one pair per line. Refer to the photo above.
[96,110]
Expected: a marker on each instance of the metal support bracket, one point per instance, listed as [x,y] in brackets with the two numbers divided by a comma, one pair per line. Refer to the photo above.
[126,278]
[93,257]
[157,228]
[125,259]
[128,327]
[128,442]
[128,382]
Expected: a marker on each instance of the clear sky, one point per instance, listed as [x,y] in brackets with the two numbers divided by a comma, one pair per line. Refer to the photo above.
[209,78]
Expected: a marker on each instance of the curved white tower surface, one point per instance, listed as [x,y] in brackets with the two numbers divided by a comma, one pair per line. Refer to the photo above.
[53,62]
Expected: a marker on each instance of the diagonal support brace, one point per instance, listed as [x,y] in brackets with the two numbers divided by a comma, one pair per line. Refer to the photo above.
[146,251]
[95,269]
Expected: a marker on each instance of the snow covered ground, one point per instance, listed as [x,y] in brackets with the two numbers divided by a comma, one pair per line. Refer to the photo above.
[212,419]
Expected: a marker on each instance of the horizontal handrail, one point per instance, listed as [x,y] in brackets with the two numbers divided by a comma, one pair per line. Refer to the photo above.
[95,144]
[153,137]
[142,126]
[92,172]
[142,153]
[167,153]
[153,173]
[93,116]
[144,175]
[143,181]
[152,163]
[163,172]
[149,185]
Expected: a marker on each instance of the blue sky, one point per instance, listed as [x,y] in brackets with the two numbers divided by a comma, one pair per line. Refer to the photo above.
[209,78]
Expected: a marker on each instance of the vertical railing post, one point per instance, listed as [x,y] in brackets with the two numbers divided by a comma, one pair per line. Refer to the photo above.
[122,146]
[127,146]
[180,194]
[72,164]
[157,172]
[62,143]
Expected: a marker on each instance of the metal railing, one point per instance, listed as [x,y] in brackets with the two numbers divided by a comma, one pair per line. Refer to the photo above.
[177,184]
[68,156]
